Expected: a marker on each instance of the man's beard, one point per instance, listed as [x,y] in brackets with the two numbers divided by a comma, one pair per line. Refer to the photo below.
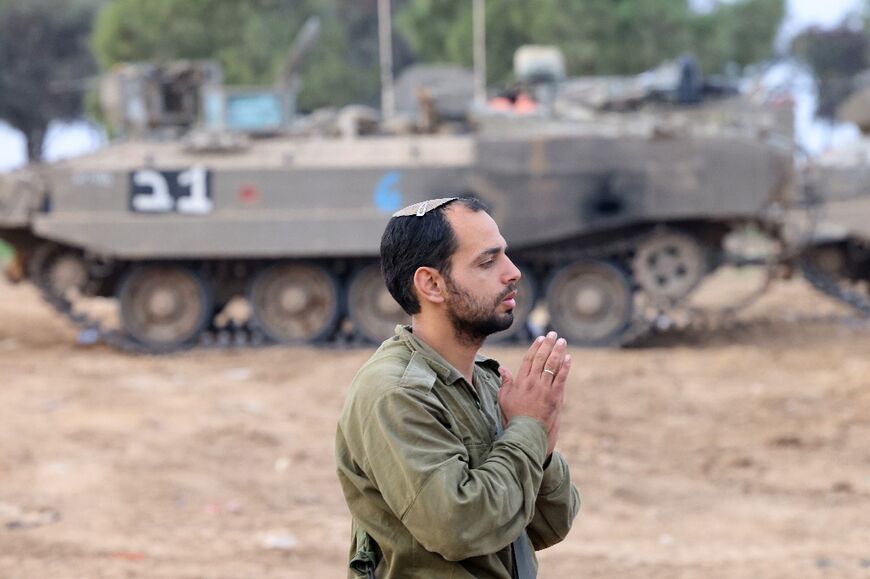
[473,318]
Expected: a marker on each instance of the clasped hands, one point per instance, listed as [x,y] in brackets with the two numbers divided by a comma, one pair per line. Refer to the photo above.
[538,389]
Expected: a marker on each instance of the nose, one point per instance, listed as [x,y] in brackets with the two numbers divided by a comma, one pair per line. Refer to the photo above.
[513,273]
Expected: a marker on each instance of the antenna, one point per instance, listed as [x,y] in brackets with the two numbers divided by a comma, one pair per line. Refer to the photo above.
[479,23]
[385,47]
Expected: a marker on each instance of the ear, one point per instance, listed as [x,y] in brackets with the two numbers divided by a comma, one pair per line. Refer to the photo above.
[429,284]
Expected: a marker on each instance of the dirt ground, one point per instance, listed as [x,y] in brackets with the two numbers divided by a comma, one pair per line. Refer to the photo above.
[741,451]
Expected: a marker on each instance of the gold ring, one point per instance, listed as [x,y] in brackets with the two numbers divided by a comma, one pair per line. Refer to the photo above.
[550,372]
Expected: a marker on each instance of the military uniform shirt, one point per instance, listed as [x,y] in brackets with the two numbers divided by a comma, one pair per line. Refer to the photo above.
[431,491]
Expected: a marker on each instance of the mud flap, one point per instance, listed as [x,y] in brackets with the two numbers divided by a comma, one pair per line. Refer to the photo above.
[366,554]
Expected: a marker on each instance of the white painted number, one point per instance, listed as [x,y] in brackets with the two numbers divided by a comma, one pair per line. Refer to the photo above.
[185,192]
[198,201]
[158,199]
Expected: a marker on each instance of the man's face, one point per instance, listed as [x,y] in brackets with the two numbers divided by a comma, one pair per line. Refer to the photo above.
[482,281]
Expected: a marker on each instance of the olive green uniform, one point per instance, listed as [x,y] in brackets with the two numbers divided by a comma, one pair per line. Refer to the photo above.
[425,477]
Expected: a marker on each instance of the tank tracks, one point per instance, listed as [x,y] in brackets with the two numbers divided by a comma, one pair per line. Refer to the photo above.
[653,316]
[649,317]
[834,288]
[231,336]
[92,330]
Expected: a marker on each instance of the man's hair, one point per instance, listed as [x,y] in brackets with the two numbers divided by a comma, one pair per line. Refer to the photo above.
[410,242]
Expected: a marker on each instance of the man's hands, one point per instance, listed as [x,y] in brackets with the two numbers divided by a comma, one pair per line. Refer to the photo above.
[539,387]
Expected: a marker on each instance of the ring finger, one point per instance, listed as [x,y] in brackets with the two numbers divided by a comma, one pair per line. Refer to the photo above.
[554,360]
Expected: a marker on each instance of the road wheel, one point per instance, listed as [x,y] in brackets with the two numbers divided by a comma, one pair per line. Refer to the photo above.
[164,307]
[372,309]
[590,303]
[60,271]
[669,265]
[295,303]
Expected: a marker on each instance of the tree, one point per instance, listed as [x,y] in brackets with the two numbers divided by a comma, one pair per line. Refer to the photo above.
[44,64]
[740,32]
[835,56]
[596,36]
[440,31]
[249,39]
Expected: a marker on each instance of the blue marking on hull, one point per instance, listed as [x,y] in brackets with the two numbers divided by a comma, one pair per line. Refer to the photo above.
[387,196]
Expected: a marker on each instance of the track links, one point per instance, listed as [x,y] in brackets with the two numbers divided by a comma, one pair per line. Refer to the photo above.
[833,288]
[649,319]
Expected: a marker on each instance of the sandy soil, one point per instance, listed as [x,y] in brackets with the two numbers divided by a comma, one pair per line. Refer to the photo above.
[741,451]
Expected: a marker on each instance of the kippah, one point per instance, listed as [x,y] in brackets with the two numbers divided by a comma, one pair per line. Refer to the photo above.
[422,208]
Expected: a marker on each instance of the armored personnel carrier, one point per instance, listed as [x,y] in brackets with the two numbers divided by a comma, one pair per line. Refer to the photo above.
[836,260]
[614,214]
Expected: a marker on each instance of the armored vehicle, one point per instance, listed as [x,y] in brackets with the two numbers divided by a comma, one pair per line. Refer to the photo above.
[836,260]
[614,214]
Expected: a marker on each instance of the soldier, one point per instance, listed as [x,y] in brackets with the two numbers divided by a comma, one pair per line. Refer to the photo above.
[446,460]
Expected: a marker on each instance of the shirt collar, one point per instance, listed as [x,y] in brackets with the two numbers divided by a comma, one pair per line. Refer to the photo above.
[446,373]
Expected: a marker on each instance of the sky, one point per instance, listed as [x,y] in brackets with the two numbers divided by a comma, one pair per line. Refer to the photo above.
[71,139]
[803,13]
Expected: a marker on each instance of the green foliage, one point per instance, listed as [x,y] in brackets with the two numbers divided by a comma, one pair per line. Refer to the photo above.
[163,30]
[835,56]
[632,36]
[742,33]
[596,36]
[44,64]
[249,39]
